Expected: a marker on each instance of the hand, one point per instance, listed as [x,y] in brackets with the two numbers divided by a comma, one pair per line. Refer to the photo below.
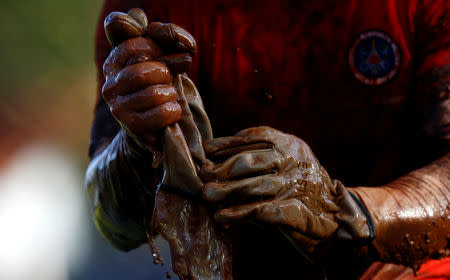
[277,180]
[139,85]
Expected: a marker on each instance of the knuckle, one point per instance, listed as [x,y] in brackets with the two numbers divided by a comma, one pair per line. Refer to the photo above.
[164,94]
[169,112]
[144,73]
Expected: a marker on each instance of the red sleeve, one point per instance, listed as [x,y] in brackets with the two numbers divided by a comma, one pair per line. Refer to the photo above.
[433,67]
[435,270]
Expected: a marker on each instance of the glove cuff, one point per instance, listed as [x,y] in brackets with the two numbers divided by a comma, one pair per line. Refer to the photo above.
[364,210]
[351,245]
[353,218]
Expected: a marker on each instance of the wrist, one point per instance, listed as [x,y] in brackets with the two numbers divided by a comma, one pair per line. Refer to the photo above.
[137,163]
[409,226]
[351,248]
[119,184]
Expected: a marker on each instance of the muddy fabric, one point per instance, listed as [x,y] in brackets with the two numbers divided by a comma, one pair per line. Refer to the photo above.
[198,248]
[288,186]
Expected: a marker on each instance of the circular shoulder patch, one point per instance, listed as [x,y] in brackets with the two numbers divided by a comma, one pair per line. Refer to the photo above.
[374,58]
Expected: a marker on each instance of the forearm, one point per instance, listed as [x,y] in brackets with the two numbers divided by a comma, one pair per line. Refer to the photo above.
[120,183]
[411,214]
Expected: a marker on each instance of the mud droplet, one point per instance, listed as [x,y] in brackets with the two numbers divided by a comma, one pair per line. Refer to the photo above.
[168,275]
[157,259]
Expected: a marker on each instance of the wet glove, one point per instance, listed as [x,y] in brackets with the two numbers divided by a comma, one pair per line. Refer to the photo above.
[273,178]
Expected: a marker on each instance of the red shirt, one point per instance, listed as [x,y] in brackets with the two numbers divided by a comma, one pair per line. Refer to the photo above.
[286,65]
[364,83]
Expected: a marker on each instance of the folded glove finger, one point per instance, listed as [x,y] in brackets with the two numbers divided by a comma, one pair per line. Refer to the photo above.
[269,185]
[128,52]
[136,77]
[140,123]
[180,169]
[291,213]
[250,163]
[171,36]
[231,145]
[237,213]
[226,153]
[294,214]
[147,98]
[260,132]
[285,143]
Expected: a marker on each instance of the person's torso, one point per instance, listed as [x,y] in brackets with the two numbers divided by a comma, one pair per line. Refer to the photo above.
[337,74]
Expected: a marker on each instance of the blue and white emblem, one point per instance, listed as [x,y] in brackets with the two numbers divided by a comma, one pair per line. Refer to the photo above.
[374,58]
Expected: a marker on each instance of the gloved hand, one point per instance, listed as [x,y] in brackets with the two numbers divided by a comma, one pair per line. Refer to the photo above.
[274,178]
[139,86]
[142,95]
[146,100]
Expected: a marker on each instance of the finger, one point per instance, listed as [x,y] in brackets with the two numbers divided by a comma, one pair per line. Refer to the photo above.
[135,77]
[228,152]
[263,132]
[259,186]
[231,145]
[178,63]
[154,119]
[171,36]
[286,143]
[146,99]
[290,213]
[120,27]
[249,163]
[293,214]
[121,55]
[237,213]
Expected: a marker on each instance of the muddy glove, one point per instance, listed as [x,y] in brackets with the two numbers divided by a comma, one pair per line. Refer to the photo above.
[276,179]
